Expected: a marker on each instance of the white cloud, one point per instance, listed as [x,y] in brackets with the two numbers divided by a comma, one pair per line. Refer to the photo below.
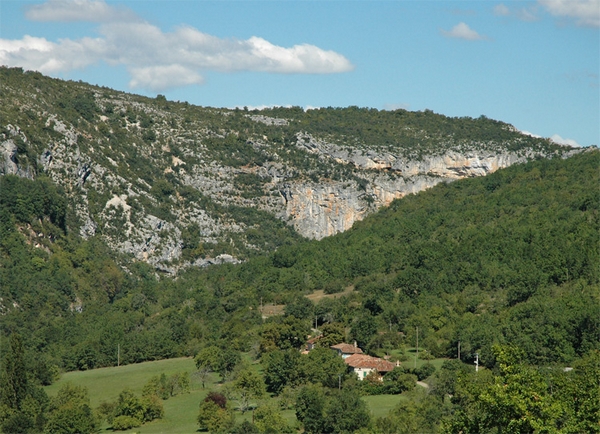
[160,78]
[529,13]
[78,10]
[585,12]
[158,60]
[527,133]
[501,10]
[49,57]
[567,142]
[396,106]
[462,31]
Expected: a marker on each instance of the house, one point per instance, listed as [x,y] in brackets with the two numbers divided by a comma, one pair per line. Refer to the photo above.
[311,344]
[346,350]
[363,365]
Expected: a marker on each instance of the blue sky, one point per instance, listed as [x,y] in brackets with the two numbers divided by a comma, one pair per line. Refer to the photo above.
[533,64]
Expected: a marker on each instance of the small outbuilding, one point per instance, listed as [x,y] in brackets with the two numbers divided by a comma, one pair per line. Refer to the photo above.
[346,350]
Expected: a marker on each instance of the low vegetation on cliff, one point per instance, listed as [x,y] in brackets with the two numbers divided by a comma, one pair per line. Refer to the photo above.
[177,185]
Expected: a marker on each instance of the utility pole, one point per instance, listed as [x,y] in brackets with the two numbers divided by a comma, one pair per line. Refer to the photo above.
[339,381]
[417,353]
[476,362]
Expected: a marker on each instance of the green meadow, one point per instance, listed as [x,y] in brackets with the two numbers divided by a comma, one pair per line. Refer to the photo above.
[105,384]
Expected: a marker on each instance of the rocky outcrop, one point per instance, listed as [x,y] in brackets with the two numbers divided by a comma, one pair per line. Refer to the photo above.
[9,153]
[319,211]
[8,158]
[140,173]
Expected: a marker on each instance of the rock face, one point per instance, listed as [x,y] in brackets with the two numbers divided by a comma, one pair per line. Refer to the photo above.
[8,160]
[176,185]
[319,211]
[9,163]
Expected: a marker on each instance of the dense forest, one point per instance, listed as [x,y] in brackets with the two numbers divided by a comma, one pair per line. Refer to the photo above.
[506,266]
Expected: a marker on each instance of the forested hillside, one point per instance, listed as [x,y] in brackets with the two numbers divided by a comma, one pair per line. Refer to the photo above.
[112,206]
[506,265]
[509,258]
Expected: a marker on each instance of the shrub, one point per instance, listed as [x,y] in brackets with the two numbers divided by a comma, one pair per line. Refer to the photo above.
[213,418]
[217,398]
[122,423]
[153,408]
[424,371]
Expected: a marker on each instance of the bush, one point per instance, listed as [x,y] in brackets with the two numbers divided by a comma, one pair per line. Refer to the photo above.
[217,398]
[333,287]
[394,383]
[122,423]
[424,371]
[153,408]
[213,418]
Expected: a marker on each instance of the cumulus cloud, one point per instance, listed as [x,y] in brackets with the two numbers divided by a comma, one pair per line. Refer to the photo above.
[567,142]
[159,78]
[462,31]
[78,10]
[585,12]
[157,60]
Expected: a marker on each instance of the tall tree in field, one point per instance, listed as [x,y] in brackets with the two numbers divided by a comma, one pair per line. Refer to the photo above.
[22,403]
[247,386]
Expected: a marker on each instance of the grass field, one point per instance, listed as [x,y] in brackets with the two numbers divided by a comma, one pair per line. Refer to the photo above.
[410,361]
[380,405]
[105,384]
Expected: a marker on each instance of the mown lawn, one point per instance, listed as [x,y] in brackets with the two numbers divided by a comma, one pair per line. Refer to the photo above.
[380,405]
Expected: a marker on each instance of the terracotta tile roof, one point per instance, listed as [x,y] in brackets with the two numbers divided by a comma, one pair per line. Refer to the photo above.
[347,348]
[362,361]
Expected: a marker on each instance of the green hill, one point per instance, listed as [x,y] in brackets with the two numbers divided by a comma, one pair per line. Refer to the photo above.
[176,185]
[506,258]
[135,230]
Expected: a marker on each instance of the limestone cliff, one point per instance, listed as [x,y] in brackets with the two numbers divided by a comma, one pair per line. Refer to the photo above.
[176,185]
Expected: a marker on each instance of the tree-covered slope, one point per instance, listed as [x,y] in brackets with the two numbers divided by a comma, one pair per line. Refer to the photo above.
[509,258]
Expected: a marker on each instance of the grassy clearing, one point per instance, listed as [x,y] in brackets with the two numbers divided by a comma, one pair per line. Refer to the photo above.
[105,384]
[271,310]
[318,295]
[409,362]
[380,405]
